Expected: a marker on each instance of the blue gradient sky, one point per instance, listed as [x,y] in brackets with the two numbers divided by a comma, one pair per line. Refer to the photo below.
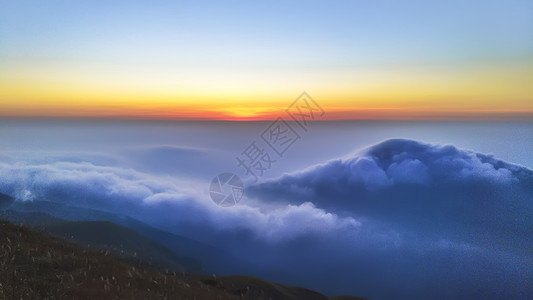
[266,33]
[167,57]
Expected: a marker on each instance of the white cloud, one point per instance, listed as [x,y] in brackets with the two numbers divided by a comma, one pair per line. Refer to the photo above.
[431,189]
[158,198]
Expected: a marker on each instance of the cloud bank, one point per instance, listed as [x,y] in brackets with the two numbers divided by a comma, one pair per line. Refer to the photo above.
[161,200]
[411,184]
[398,219]
[425,197]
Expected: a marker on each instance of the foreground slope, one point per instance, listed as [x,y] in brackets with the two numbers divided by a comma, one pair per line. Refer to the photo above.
[34,265]
[199,257]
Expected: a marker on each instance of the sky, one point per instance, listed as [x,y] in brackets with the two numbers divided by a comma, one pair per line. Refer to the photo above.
[247,60]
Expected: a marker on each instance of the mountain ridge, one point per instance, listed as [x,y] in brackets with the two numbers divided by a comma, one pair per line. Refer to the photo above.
[35,265]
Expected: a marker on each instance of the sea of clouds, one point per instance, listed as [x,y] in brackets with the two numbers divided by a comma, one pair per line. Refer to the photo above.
[398,219]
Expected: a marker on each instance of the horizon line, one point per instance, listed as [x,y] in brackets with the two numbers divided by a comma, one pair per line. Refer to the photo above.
[502,117]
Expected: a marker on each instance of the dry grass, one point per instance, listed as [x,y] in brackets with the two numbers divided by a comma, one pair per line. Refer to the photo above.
[34,265]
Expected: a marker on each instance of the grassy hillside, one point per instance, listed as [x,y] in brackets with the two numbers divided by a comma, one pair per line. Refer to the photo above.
[42,213]
[34,265]
[123,242]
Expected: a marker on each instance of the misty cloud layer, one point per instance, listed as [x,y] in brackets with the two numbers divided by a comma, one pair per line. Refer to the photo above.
[398,219]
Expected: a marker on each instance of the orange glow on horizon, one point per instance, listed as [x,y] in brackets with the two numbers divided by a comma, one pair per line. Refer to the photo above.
[266,114]
[498,91]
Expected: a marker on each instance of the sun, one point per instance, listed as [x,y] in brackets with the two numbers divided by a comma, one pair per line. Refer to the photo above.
[241,113]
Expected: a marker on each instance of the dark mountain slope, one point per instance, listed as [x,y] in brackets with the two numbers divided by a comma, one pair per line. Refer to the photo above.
[5,201]
[34,265]
[213,259]
[121,241]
